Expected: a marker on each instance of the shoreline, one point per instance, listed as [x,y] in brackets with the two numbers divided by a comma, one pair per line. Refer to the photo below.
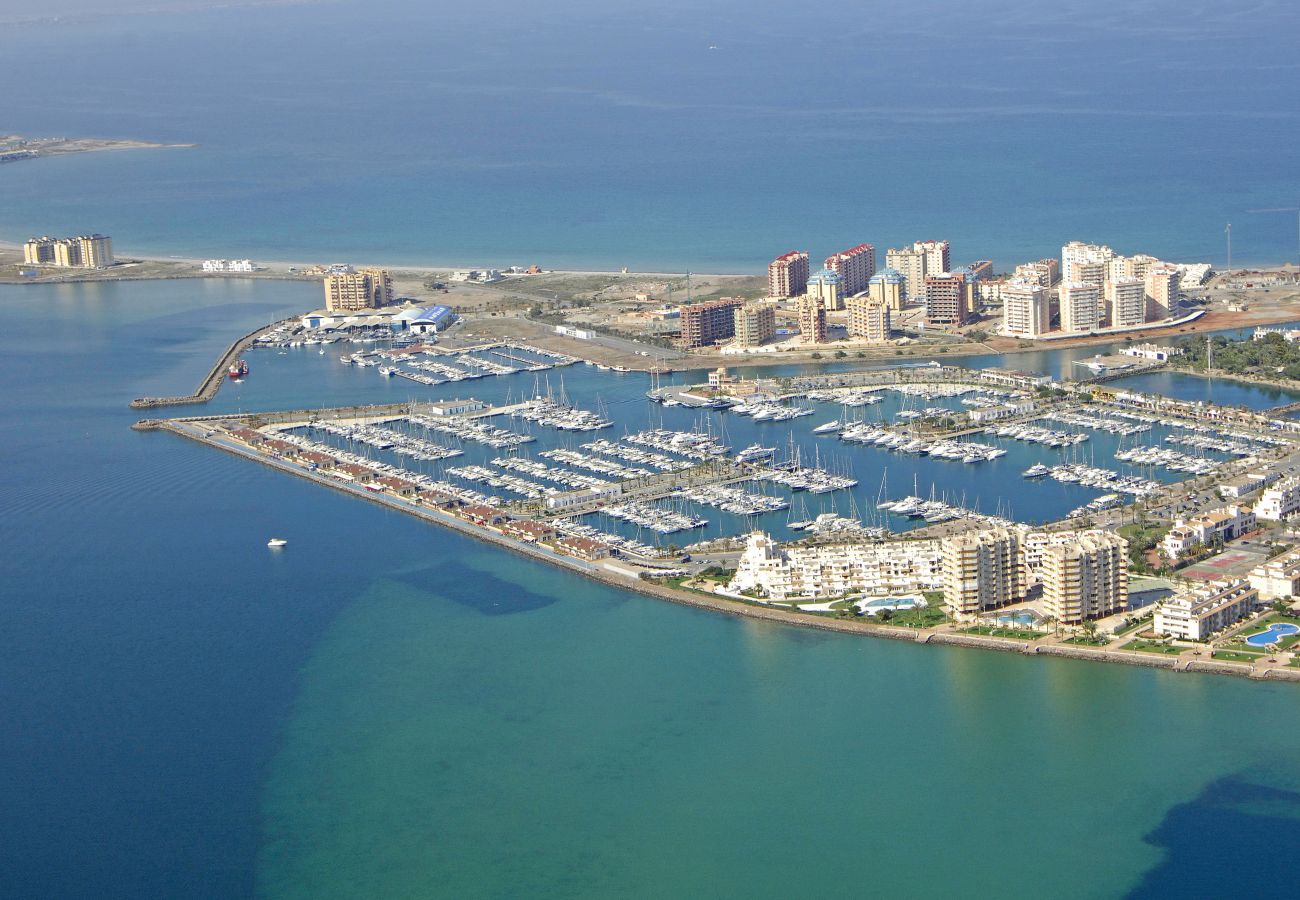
[188,428]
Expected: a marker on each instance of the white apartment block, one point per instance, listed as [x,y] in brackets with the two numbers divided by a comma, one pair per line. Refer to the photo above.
[1080,306]
[1279,501]
[1085,263]
[1026,309]
[910,263]
[1277,579]
[832,570]
[1126,301]
[937,260]
[1199,613]
[1224,525]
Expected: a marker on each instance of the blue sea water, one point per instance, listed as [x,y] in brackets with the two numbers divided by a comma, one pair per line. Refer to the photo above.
[596,135]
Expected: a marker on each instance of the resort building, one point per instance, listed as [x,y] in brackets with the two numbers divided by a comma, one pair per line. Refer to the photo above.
[868,319]
[946,300]
[1026,309]
[855,267]
[787,275]
[1279,501]
[825,286]
[878,568]
[812,320]
[1085,263]
[755,323]
[910,264]
[358,289]
[1046,272]
[1086,578]
[704,324]
[981,571]
[1162,292]
[1080,306]
[888,286]
[1200,613]
[1126,301]
[1277,579]
[87,251]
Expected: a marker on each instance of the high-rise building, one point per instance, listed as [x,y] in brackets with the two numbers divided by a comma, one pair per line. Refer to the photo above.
[1162,291]
[937,259]
[910,263]
[704,324]
[812,320]
[1080,306]
[946,300]
[787,275]
[981,571]
[1137,266]
[86,251]
[1126,301]
[869,319]
[1026,309]
[1046,272]
[828,289]
[855,267]
[1087,578]
[755,323]
[888,287]
[359,289]
[1085,263]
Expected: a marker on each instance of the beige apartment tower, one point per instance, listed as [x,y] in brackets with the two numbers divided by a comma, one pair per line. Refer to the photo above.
[755,323]
[362,289]
[1162,292]
[812,320]
[1080,306]
[787,275]
[86,251]
[1026,309]
[855,267]
[869,319]
[981,571]
[1126,301]
[910,263]
[1087,578]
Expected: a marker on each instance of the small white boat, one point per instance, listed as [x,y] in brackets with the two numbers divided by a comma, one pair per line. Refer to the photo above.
[828,427]
[276,542]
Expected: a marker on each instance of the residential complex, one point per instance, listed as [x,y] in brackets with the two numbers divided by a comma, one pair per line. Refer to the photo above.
[1277,579]
[755,323]
[1197,614]
[86,251]
[1045,272]
[1086,578]
[827,288]
[1085,263]
[869,319]
[888,286]
[1279,501]
[1162,291]
[946,299]
[787,275]
[855,267]
[936,256]
[1126,301]
[981,571]
[910,264]
[832,570]
[812,320]
[346,291]
[1026,309]
[1080,306]
[704,324]
[1215,527]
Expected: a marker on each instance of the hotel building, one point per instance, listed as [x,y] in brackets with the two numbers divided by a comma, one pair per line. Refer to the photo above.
[787,275]
[359,289]
[1126,301]
[812,320]
[1026,309]
[1086,578]
[755,323]
[946,301]
[87,251]
[704,324]
[855,267]
[981,571]
[868,319]
[1080,306]
[888,286]
[1199,613]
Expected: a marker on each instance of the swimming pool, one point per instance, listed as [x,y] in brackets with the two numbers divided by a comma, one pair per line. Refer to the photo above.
[1019,618]
[1275,632]
[910,601]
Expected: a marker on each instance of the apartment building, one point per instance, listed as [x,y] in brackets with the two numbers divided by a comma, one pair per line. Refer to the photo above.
[1277,579]
[1026,309]
[888,286]
[981,571]
[1085,263]
[946,300]
[855,267]
[1280,501]
[832,570]
[1197,614]
[868,319]
[937,259]
[1219,525]
[1126,301]
[826,287]
[787,275]
[1162,292]
[812,320]
[1045,272]
[704,324]
[1080,306]
[755,323]
[86,251]
[1086,578]
[358,289]
[910,264]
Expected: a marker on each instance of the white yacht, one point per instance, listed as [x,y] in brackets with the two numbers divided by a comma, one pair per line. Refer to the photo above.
[828,427]
[1038,470]
[276,542]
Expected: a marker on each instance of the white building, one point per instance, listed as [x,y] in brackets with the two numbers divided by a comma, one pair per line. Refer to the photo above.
[1279,501]
[876,568]
[1080,306]
[1026,309]
[1277,579]
[1126,301]
[981,571]
[1221,525]
[1152,351]
[1085,263]
[1199,613]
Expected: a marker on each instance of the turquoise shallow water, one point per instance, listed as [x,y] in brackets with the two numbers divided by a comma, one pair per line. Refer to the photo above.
[386,709]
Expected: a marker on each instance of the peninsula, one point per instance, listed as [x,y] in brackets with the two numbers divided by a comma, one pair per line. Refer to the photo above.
[16,147]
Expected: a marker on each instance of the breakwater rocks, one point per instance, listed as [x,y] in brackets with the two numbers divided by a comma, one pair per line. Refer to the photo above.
[208,387]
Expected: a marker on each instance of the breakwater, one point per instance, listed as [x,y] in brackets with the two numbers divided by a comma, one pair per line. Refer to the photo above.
[210,384]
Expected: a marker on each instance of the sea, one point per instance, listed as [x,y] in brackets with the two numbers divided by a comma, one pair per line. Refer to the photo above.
[387,709]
